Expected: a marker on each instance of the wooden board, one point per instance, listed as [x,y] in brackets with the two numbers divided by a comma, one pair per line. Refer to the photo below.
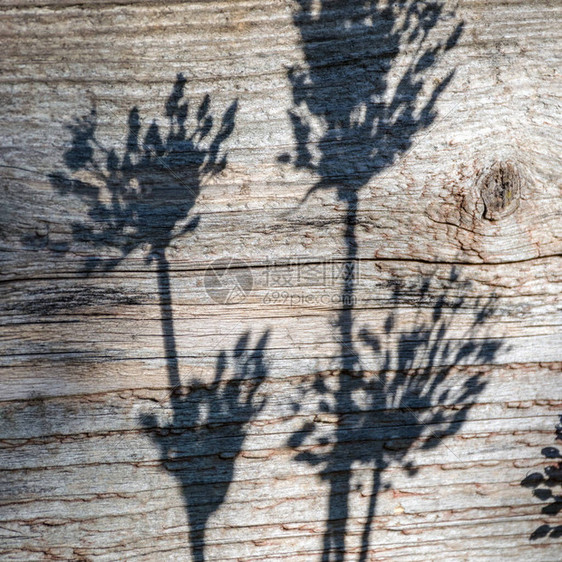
[312,316]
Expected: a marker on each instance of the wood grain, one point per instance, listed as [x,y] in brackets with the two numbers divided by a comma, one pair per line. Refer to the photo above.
[100,459]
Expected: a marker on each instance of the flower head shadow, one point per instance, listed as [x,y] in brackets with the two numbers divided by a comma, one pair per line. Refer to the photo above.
[209,426]
[139,199]
[409,404]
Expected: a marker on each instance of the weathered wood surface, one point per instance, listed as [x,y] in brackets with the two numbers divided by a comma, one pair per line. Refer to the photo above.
[277,437]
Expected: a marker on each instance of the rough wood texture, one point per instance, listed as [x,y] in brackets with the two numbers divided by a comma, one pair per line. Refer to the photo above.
[377,374]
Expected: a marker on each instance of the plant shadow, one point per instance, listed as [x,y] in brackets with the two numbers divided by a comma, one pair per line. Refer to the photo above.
[141,200]
[543,485]
[360,98]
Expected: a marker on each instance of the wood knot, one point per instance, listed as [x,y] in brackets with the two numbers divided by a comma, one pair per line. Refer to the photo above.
[501,190]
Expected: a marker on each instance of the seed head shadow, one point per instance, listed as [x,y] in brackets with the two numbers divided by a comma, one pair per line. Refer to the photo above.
[544,485]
